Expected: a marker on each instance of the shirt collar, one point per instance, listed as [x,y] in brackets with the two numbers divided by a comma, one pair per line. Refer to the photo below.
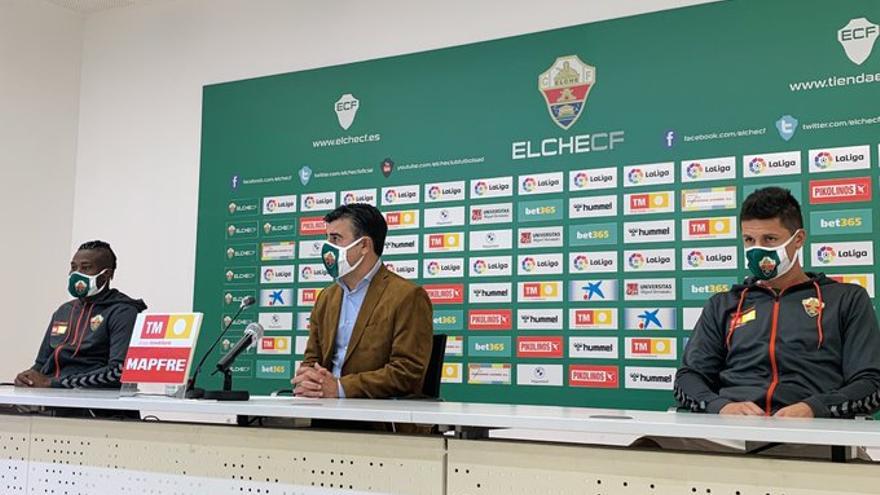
[364,282]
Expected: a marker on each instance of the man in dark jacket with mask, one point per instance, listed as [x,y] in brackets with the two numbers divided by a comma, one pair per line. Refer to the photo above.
[87,337]
[785,343]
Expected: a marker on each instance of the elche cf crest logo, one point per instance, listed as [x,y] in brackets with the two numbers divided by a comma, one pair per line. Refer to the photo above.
[565,87]
[346,110]
[767,265]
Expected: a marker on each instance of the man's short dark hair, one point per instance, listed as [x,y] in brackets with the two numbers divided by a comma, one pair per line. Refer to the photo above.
[366,219]
[107,256]
[773,202]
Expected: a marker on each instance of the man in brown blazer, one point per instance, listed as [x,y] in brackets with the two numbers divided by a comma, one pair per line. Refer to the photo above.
[370,332]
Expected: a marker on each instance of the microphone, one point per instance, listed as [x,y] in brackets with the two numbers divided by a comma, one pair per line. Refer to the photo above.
[197,393]
[247,301]
[252,334]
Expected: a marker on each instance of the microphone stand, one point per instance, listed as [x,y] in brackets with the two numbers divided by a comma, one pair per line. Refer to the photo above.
[199,393]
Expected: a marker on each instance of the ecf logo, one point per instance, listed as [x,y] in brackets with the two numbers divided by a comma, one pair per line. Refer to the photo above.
[857,39]
[346,108]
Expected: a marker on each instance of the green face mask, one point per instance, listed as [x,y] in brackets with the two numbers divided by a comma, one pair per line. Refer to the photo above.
[770,263]
[80,285]
[336,259]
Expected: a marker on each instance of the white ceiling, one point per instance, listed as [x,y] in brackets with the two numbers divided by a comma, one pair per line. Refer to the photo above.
[92,6]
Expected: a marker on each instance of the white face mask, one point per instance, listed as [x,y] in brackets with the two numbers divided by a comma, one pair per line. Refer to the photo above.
[769,263]
[336,259]
[81,285]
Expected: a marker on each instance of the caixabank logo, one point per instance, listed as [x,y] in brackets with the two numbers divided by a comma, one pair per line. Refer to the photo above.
[565,86]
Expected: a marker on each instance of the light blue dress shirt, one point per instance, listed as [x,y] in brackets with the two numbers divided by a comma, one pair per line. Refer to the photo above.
[352,300]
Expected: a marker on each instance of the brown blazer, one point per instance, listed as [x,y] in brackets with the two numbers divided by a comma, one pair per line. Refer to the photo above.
[390,344]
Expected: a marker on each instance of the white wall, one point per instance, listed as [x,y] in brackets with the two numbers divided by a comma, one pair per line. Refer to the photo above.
[40,46]
[142,77]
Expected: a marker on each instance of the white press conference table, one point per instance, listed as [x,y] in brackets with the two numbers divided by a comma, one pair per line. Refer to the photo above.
[227,459]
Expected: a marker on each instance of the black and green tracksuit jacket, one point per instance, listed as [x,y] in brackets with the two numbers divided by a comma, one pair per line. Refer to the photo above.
[87,339]
[816,342]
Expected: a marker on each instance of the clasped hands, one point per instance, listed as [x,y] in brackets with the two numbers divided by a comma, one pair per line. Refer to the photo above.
[315,381]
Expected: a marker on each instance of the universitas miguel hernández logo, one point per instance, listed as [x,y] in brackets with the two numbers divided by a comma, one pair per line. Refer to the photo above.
[565,87]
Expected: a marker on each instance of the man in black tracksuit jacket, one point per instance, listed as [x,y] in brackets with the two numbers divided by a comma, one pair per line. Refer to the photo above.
[785,343]
[87,338]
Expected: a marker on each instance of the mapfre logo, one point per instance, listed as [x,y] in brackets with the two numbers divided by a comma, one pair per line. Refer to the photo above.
[565,87]
[857,39]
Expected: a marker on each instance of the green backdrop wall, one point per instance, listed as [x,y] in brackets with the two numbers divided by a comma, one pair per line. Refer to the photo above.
[568,198]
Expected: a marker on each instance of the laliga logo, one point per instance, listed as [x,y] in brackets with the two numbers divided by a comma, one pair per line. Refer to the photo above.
[433,268]
[480,266]
[269,274]
[824,160]
[306,273]
[826,254]
[346,110]
[695,258]
[349,198]
[310,202]
[480,188]
[391,196]
[271,205]
[581,263]
[695,170]
[635,176]
[580,180]
[757,165]
[857,39]
[434,192]
[528,264]
[529,184]
[636,261]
